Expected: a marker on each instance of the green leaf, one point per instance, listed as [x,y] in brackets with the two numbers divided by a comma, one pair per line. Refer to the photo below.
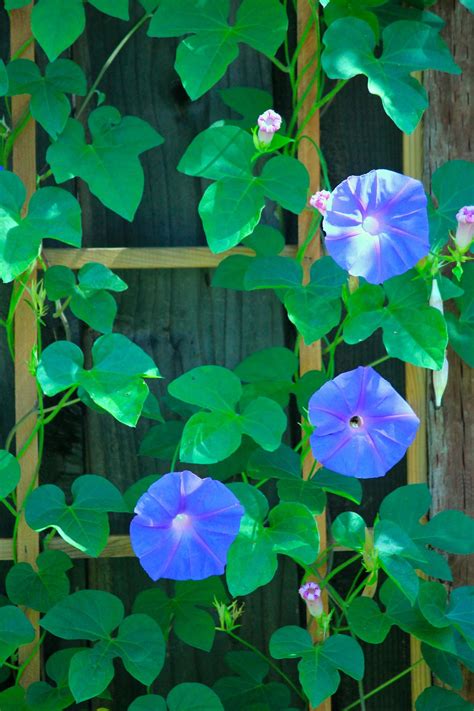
[306,386]
[283,463]
[273,272]
[246,101]
[220,151]
[290,641]
[15,4]
[453,186]
[91,671]
[10,473]
[313,315]
[394,547]
[41,696]
[15,630]
[209,386]
[437,699]
[452,531]
[230,273]
[265,241]
[338,484]
[303,492]
[275,363]
[150,702]
[230,210]
[87,614]
[432,600]
[203,59]
[407,47]
[115,382]
[286,181]
[459,612]
[336,9]
[262,24]
[52,213]
[210,437]
[161,440]
[193,697]
[3,78]
[115,8]
[461,338]
[84,523]
[48,104]
[40,589]
[293,531]
[349,530]
[367,621]
[365,313]
[251,561]
[443,665]
[406,505]
[248,690]
[110,164]
[141,647]
[56,24]
[265,422]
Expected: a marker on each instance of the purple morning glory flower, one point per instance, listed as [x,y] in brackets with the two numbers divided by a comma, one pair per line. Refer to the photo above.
[363,427]
[184,527]
[376,225]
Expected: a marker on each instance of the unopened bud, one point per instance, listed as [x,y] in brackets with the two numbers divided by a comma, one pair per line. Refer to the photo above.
[436,300]
[319,200]
[465,230]
[268,123]
[440,380]
[311,594]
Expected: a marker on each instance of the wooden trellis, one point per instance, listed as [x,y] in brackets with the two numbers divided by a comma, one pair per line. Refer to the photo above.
[24,165]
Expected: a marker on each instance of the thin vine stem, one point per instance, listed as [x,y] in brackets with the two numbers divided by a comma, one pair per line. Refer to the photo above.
[390,681]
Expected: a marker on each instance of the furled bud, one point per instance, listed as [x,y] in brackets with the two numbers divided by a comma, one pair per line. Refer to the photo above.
[440,380]
[465,230]
[319,200]
[311,594]
[268,123]
[436,300]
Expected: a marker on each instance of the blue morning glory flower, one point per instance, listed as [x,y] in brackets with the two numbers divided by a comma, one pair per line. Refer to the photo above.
[376,225]
[184,527]
[363,427]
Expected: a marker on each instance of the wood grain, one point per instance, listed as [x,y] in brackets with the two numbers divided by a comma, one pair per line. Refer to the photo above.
[448,135]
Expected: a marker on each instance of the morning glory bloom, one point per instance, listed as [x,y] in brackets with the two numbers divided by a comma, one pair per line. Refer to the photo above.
[376,225]
[311,594]
[268,123]
[465,229]
[319,201]
[184,527]
[363,427]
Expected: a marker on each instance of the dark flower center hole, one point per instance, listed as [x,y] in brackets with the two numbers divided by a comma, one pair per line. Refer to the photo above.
[355,421]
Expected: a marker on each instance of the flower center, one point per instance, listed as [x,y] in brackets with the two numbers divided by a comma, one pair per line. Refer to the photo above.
[371,225]
[356,422]
[181,521]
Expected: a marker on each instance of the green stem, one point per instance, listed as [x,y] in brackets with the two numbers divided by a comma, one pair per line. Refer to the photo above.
[111,59]
[337,570]
[357,703]
[9,507]
[17,131]
[378,361]
[21,50]
[322,160]
[335,90]
[282,67]
[268,661]
[31,656]
[175,455]
[313,229]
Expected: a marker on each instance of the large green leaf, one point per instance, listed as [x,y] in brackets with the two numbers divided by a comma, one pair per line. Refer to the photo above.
[437,699]
[83,523]
[193,697]
[110,164]
[286,181]
[56,24]
[42,696]
[141,647]
[210,437]
[265,422]
[202,59]
[312,314]
[367,621]
[459,612]
[15,630]
[220,151]
[150,702]
[406,505]
[40,589]
[91,671]
[48,104]
[208,386]
[115,382]
[443,665]
[9,473]
[52,213]
[246,101]
[407,47]
[397,554]
[452,531]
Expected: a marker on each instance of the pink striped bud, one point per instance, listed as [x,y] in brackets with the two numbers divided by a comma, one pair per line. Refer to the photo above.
[465,229]
[319,200]
[268,123]
[311,594]
[440,380]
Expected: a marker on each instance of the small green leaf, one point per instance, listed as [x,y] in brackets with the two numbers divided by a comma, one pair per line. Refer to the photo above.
[150,702]
[84,523]
[349,530]
[443,665]
[91,671]
[56,24]
[115,8]
[273,272]
[210,437]
[367,621]
[41,589]
[9,473]
[209,386]
[437,699]
[110,164]
[286,181]
[246,101]
[141,647]
[265,241]
[15,630]
[338,484]
[265,422]
[275,363]
[290,641]
[283,463]
[193,697]
[3,78]
[41,696]
[220,151]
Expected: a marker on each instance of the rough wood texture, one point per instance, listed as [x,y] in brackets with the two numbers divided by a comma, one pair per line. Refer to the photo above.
[448,136]
[24,165]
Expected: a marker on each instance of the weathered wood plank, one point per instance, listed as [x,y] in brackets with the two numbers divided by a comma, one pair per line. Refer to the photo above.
[448,136]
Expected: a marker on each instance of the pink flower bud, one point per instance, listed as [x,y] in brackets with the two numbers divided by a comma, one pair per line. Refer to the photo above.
[440,380]
[435,299]
[319,200]
[311,594]
[465,230]
[268,123]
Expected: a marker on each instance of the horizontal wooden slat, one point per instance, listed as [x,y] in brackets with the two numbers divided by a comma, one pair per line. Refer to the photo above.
[117,547]
[146,257]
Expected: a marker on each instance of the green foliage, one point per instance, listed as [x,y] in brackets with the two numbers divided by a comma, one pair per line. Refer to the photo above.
[248,688]
[193,697]
[9,473]
[15,630]
[115,382]
[407,47]
[453,187]
[41,695]
[83,523]
[40,589]
[203,58]
[461,326]
[367,621]
[89,298]
[436,699]
[110,163]
[93,615]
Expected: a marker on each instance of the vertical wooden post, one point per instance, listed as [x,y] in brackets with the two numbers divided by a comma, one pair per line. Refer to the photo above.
[310,356]
[415,378]
[24,165]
